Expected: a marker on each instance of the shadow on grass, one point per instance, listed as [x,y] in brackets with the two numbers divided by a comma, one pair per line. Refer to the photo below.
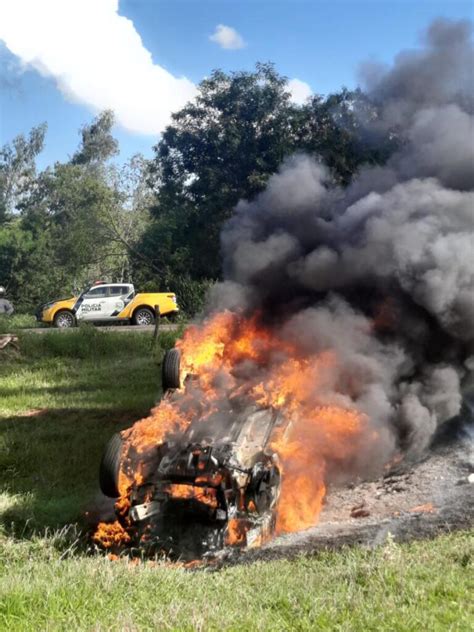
[50,390]
[49,466]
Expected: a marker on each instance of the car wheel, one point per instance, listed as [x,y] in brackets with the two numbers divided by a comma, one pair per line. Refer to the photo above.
[264,488]
[170,369]
[110,467]
[64,320]
[143,316]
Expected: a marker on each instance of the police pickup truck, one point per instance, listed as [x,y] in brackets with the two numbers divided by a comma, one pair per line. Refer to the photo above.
[108,302]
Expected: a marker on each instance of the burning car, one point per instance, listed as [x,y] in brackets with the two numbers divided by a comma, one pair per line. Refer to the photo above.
[237,450]
[211,485]
[340,336]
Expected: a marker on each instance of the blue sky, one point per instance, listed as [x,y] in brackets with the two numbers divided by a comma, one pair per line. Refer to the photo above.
[319,42]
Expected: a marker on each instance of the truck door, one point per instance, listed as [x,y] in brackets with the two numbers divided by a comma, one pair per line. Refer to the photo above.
[119,296]
[96,304]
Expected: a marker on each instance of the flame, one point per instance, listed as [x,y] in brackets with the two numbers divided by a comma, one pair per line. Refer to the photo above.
[230,357]
[204,495]
[236,532]
[111,535]
[303,462]
[145,436]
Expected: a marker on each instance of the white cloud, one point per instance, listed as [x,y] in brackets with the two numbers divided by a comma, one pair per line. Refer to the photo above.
[96,58]
[299,91]
[227,37]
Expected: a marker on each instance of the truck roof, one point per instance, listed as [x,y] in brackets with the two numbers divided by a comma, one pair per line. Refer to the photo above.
[109,284]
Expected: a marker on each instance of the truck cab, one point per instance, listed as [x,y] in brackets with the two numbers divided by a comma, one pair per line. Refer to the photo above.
[104,302]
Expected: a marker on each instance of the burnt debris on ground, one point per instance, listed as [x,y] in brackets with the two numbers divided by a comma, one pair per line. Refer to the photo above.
[420,501]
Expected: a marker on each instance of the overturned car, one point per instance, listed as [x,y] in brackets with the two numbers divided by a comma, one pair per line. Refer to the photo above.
[210,486]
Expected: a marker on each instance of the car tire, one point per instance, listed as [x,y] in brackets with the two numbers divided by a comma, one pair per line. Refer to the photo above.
[143,316]
[110,467]
[64,319]
[170,370]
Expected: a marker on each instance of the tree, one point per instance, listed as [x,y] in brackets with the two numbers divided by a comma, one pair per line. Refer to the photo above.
[17,169]
[66,220]
[339,129]
[98,144]
[62,233]
[226,144]
[128,221]
[221,147]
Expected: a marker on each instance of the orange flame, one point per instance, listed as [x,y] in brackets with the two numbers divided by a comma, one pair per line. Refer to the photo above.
[145,436]
[229,356]
[204,495]
[236,532]
[110,535]
[303,461]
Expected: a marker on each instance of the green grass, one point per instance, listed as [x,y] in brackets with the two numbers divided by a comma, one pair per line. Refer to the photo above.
[61,398]
[17,322]
[420,586]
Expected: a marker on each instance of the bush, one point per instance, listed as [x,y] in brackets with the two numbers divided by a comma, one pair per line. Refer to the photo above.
[191,294]
[149,286]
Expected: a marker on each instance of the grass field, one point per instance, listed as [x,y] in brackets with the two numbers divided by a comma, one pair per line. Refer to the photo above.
[421,586]
[17,322]
[61,398]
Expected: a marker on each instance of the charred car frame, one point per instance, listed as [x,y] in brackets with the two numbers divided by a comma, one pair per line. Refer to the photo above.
[208,488]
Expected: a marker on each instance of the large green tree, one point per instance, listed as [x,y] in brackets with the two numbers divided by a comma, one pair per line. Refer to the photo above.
[224,146]
[219,148]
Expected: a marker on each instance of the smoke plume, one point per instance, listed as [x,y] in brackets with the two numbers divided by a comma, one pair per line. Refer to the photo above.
[379,272]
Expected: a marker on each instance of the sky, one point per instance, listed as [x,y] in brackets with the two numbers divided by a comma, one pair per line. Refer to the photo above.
[62,61]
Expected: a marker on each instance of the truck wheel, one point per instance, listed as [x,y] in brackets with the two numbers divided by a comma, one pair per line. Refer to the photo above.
[110,467]
[64,319]
[143,316]
[170,369]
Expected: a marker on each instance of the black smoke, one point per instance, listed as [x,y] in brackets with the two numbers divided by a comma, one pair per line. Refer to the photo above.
[380,271]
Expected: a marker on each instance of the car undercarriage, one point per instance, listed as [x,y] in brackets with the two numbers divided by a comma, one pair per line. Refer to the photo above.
[211,486]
